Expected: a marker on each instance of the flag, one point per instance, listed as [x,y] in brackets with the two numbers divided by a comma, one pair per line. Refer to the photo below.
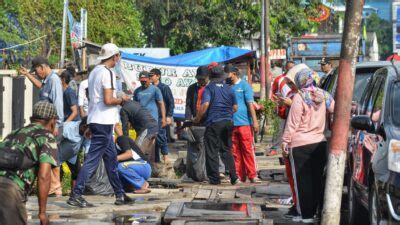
[74,30]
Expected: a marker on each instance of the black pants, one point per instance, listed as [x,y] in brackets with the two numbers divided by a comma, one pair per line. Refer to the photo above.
[308,164]
[218,139]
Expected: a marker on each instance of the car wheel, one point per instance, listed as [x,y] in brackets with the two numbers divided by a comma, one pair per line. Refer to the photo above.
[373,206]
[356,211]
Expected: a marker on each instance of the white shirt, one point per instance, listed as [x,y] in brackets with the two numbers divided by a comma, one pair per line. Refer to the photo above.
[82,99]
[100,113]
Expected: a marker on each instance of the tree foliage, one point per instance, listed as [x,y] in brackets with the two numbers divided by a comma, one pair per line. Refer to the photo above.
[384,34]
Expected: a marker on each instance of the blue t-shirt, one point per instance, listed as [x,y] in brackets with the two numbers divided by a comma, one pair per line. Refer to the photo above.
[244,95]
[221,99]
[148,98]
[70,99]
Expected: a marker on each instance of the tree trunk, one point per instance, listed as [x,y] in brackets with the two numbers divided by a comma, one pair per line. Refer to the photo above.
[340,128]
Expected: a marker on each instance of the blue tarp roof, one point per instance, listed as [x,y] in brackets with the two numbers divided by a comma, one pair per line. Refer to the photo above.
[194,59]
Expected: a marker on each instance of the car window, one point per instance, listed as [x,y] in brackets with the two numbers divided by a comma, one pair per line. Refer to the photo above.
[378,102]
[366,103]
[360,82]
[396,103]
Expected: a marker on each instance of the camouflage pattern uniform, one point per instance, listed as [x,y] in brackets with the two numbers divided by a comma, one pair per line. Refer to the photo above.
[34,140]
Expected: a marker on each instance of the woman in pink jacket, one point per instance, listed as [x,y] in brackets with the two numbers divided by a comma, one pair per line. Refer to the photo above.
[304,141]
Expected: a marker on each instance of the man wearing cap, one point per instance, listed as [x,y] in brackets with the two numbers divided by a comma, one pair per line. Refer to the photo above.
[326,66]
[217,106]
[162,141]
[195,167]
[51,90]
[102,116]
[150,98]
[244,124]
[36,142]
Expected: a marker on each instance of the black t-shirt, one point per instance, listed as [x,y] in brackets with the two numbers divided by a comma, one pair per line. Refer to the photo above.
[125,143]
[139,118]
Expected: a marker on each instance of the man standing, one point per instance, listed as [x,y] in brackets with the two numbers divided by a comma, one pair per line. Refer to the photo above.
[195,167]
[326,66]
[51,91]
[38,146]
[150,98]
[244,124]
[218,105]
[146,127]
[162,141]
[102,116]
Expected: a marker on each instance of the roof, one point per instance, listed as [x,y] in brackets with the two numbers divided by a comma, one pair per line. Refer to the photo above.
[197,58]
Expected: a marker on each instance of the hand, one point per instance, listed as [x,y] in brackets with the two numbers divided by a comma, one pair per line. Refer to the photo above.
[256,127]
[44,220]
[23,71]
[163,123]
[286,101]
[196,120]
[55,132]
[125,98]
[285,149]
[169,120]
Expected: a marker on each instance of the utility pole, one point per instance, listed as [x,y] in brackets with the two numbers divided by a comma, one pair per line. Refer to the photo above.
[64,33]
[83,36]
[267,46]
[341,122]
[262,52]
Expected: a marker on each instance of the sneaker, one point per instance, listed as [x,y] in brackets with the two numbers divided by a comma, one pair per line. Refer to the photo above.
[78,201]
[221,176]
[255,180]
[297,219]
[292,212]
[272,152]
[236,182]
[123,200]
[310,220]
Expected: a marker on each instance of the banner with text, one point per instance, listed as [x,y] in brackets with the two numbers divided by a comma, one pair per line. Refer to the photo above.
[178,78]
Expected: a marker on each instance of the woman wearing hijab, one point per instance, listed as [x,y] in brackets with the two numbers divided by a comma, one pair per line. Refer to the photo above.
[304,141]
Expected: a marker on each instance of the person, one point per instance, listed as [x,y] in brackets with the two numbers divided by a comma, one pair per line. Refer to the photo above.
[244,124]
[71,141]
[162,141]
[195,167]
[304,141]
[133,168]
[102,116]
[218,105]
[134,115]
[36,142]
[83,101]
[50,90]
[150,98]
[326,66]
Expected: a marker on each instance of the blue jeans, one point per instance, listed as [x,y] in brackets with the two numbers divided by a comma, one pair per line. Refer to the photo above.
[161,143]
[134,173]
[101,146]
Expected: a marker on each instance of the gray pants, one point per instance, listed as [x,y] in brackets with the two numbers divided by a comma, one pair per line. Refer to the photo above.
[12,207]
[277,139]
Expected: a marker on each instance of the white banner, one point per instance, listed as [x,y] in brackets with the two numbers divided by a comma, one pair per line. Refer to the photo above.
[177,78]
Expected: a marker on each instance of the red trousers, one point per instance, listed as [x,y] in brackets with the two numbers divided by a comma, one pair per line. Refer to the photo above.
[289,174]
[243,152]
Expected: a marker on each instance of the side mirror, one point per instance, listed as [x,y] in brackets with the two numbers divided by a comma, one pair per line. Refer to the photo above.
[363,123]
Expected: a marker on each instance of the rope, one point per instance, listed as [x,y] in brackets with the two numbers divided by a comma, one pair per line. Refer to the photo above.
[14,46]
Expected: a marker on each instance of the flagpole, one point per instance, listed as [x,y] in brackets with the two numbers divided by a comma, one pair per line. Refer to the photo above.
[64,33]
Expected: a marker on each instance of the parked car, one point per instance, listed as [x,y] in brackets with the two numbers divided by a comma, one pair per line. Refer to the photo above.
[376,127]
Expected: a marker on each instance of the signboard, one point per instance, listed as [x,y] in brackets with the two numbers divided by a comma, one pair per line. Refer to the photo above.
[178,78]
[396,26]
[148,52]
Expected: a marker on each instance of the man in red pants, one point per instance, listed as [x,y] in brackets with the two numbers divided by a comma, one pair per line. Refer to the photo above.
[244,123]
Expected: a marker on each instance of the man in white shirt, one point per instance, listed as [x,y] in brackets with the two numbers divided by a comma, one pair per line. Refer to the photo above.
[103,114]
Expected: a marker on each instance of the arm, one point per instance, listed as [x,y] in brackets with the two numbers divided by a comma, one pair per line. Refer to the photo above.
[37,83]
[202,111]
[43,190]
[82,97]
[235,108]
[162,111]
[253,115]
[74,114]
[109,98]
[125,156]
[170,102]
[124,120]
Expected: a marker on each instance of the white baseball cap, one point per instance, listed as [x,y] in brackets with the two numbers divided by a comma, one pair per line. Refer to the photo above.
[107,51]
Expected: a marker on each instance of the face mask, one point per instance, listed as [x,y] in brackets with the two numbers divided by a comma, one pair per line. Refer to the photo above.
[228,80]
[143,83]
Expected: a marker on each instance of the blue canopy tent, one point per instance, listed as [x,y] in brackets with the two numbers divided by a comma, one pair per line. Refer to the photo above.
[223,54]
